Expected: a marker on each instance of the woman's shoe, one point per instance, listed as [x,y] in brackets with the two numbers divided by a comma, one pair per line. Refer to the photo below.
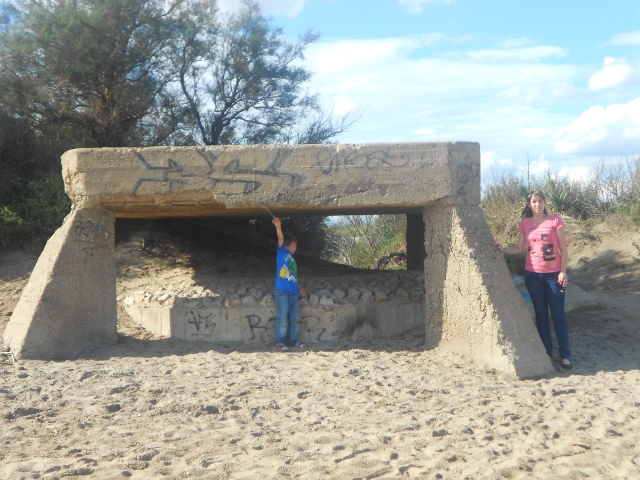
[566,364]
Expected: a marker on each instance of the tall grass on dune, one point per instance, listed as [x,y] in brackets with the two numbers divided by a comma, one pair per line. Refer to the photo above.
[612,188]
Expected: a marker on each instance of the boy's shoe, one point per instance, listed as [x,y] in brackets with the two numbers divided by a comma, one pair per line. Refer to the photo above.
[282,347]
[566,364]
[299,345]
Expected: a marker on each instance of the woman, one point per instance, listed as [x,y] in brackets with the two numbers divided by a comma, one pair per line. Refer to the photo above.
[545,273]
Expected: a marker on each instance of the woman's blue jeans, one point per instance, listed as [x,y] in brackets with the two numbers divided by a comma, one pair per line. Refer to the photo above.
[287,313]
[547,294]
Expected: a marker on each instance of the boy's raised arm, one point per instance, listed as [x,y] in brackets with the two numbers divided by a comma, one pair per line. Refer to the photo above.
[276,221]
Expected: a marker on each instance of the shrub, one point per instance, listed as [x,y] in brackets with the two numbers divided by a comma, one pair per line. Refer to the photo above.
[358,240]
[33,211]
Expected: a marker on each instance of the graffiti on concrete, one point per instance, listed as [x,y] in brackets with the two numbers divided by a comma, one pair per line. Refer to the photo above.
[265,331]
[90,231]
[202,324]
[234,178]
[337,161]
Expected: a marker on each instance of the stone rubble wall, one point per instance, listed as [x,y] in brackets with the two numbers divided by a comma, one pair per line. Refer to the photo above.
[346,308]
[403,286]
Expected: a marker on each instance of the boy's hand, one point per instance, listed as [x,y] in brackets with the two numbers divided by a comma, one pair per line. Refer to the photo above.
[276,221]
[303,292]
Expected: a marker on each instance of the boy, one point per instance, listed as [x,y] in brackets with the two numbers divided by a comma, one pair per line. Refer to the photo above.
[286,295]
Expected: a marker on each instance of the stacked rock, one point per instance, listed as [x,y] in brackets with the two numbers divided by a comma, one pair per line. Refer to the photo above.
[325,292]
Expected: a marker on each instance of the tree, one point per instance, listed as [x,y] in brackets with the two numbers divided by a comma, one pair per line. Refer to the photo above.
[96,65]
[359,240]
[243,82]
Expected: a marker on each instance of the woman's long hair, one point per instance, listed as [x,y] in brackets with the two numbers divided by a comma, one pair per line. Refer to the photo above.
[526,211]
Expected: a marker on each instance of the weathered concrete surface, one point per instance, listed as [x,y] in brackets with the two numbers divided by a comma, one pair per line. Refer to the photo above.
[256,324]
[69,305]
[238,180]
[472,306]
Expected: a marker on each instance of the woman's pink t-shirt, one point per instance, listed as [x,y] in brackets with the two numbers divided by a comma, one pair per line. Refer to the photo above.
[543,254]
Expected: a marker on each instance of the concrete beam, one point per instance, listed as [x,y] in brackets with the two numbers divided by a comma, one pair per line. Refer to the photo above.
[243,180]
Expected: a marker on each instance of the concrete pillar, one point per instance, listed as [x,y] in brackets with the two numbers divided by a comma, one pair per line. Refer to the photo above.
[69,305]
[415,242]
[471,304]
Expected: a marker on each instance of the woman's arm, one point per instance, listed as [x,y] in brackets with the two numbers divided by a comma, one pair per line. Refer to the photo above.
[564,255]
[519,248]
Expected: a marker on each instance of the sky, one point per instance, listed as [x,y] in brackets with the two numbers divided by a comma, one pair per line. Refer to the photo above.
[555,84]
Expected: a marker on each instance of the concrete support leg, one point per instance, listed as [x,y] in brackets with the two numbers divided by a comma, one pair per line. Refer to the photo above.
[472,306]
[69,305]
[415,242]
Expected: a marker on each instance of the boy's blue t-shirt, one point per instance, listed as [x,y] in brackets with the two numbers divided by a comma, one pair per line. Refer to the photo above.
[286,271]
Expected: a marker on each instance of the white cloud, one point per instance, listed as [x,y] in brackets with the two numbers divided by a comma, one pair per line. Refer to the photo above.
[611,130]
[425,132]
[614,72]
[631,39]
[538,166]
[285,8]
[490,158]
[417,6]
[344,105]
[406,93]
[334,56]
[579,173]
[526,54]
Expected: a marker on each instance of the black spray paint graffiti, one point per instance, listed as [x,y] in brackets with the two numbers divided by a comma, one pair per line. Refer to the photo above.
[255,324]
[467,175]
[247,179]
[90,231]
[356,159]
[204,324]
[92,235]
[311,325]
[235,178]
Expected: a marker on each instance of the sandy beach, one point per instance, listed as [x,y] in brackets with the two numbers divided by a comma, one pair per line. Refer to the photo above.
[383,409]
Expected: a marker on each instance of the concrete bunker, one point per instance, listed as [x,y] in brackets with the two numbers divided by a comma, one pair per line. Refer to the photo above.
[471,305]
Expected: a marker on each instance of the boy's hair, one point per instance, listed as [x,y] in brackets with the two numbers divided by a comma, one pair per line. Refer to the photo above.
[289,238]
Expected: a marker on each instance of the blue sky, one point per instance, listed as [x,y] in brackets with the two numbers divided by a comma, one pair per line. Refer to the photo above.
[557,81]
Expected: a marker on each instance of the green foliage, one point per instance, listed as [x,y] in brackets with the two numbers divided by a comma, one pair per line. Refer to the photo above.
[111,73]
[244,83]
[515,263]
[558,194]
[97,65]
[358,240]
[33,212]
